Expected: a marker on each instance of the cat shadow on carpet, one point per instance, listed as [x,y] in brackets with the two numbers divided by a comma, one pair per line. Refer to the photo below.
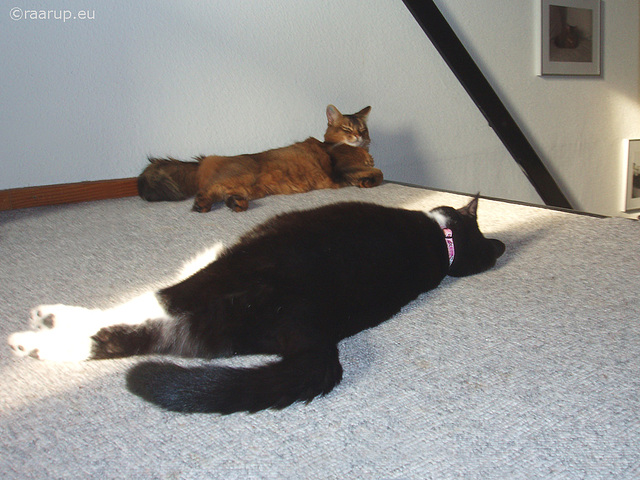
[359,355]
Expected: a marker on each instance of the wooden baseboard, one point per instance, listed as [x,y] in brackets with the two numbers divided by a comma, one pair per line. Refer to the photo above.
[67,193]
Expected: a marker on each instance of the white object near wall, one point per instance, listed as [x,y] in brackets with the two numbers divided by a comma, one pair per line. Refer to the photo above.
[632,201]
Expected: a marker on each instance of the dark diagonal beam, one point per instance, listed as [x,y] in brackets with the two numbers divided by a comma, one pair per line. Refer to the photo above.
[474,82]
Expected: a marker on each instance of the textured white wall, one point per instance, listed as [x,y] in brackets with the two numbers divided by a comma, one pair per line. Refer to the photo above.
[577,125]
[90,99]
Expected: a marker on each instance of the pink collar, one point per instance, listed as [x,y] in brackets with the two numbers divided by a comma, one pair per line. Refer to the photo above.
[448,237]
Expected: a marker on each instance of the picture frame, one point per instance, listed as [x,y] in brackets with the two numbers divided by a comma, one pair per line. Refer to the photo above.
[633,176]
[569,37]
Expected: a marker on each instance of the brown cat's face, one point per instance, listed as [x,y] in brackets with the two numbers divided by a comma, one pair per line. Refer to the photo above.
[347,129]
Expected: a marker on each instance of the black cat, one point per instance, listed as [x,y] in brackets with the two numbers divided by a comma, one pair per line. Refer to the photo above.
[294,286]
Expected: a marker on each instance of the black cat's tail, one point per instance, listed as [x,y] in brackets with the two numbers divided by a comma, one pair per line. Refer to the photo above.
[215,389]
[168,179]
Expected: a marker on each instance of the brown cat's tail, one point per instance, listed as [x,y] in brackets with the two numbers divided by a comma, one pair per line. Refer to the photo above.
[218,389]
[168,179]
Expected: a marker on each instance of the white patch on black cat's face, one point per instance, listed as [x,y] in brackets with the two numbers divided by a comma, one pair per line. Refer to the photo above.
[439,217]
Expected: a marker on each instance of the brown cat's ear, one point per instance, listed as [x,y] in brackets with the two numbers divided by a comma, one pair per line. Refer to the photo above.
[364,113]
[333,115]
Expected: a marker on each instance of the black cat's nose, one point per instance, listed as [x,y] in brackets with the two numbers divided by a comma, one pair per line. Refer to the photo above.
[498,247]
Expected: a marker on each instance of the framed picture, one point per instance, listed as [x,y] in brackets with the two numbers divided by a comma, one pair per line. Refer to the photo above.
[633,176]
[569,37]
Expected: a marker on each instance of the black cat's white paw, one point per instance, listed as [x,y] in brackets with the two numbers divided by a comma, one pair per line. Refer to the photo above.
[22,343]
[60,333]
[59,316]
[52,344]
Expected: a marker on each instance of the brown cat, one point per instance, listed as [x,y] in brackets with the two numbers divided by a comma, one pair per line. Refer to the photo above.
[568,37]
[341,160]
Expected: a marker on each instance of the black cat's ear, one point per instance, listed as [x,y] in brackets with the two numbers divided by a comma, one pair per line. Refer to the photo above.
[333,114]
[471,208]
[364,113]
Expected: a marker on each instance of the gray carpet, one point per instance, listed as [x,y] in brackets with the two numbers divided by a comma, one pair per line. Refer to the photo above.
[530,370]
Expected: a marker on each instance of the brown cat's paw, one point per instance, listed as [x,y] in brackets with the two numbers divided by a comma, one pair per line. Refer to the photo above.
[201,205]
[237,203]
[367,182]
